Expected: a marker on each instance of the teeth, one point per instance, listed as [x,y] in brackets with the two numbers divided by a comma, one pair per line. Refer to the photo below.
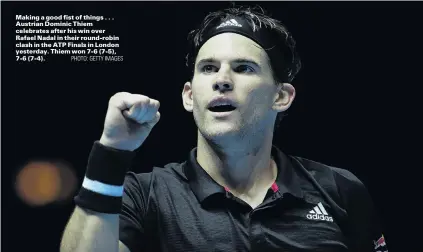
[221,104]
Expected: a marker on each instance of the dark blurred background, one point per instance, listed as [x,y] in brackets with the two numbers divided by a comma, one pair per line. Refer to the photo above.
[358,105]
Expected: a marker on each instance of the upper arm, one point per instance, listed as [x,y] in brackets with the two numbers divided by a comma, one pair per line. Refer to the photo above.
[132,228]
[364,227]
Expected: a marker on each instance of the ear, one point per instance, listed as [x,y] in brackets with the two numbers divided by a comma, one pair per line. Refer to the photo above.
[187,97]
[284,97]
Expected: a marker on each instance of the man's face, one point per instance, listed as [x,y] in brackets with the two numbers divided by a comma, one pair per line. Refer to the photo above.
[237,69]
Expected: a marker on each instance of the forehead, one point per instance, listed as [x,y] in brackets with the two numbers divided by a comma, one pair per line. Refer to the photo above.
[228,46]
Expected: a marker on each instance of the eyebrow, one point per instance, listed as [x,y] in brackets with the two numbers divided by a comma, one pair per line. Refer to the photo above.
[237,60]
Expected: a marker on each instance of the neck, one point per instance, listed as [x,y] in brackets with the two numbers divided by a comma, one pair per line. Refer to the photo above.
[245,167]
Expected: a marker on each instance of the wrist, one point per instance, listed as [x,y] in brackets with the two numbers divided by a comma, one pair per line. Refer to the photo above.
[102,188]
[116,145]
[113,144]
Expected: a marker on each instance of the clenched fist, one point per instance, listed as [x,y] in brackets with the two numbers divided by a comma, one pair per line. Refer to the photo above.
[129,120]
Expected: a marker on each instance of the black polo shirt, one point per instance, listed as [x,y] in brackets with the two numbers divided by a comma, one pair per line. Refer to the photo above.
[310,207]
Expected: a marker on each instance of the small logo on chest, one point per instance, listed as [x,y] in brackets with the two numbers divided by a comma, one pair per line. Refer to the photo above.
[319,213]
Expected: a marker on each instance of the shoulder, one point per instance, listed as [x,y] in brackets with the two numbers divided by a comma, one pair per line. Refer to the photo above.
[341,176]
[347,185]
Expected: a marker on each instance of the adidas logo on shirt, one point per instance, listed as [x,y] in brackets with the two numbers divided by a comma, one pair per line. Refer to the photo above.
[231,22]
[319,213]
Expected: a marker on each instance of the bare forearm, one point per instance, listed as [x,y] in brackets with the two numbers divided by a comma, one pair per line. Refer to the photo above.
[91,231]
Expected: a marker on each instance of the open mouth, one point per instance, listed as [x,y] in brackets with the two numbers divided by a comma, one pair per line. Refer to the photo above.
[222,108]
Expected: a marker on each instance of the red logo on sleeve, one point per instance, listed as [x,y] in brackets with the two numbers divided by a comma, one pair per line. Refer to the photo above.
[380,244]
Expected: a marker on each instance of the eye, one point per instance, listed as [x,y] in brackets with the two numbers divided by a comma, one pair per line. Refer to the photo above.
[244,69]
[208,68]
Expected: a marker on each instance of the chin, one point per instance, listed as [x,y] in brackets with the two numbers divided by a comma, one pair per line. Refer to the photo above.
[220,131]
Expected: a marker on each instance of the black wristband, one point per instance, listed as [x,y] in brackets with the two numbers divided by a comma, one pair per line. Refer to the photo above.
[97,202]
[107,166]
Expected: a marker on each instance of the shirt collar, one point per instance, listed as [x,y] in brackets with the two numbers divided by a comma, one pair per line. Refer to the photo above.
[203,185]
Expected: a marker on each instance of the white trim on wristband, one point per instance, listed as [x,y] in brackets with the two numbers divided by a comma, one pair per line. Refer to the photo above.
[101,188]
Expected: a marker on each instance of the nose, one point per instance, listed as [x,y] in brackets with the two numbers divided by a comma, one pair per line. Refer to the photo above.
[223,86]
[223,82]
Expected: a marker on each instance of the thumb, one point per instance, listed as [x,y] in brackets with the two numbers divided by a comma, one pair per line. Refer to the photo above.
[127,114]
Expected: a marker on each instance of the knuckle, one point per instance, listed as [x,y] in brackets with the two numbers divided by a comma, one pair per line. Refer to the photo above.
[143,101]
[145,98]
[155,103]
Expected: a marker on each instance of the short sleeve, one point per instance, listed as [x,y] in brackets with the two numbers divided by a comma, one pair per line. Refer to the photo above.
[364,226]
[132,227]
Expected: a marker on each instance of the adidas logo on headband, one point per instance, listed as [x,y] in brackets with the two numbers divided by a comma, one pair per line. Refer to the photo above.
[231,22]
